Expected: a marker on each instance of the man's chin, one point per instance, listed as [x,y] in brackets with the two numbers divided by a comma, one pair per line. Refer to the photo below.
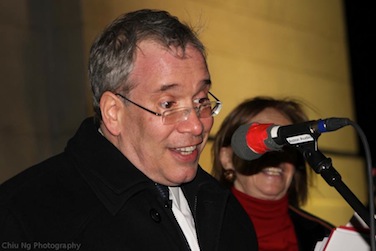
[185,177]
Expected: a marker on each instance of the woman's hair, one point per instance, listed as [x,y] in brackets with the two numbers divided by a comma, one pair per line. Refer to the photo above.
[113,52]
[242,114]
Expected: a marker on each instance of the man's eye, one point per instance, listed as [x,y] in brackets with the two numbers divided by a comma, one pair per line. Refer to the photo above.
[167,104]
[201,101]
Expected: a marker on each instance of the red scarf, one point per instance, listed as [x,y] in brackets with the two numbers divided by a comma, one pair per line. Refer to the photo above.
[274,228]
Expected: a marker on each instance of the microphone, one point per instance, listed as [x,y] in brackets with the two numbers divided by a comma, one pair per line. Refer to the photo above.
[252,140]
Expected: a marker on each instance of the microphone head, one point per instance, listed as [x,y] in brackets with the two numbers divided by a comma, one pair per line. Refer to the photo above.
[239,143]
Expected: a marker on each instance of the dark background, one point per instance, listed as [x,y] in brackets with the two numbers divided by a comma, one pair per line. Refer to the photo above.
[361,31]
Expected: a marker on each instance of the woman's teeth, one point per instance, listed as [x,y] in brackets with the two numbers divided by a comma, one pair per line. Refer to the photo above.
[272,171]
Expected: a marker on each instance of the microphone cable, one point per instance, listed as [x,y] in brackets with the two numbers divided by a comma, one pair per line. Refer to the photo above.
[371,194]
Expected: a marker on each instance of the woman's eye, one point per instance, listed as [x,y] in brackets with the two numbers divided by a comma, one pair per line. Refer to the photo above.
[167,104]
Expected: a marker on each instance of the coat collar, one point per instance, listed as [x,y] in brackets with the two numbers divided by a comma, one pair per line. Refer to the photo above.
[113,178]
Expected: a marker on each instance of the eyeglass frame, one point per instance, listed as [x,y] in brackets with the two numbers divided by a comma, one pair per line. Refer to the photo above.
[217,102]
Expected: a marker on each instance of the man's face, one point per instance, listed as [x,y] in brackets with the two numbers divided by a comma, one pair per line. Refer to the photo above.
[167,154]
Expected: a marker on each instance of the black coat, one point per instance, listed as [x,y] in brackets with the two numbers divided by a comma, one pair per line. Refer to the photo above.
[309,228]
[91,195]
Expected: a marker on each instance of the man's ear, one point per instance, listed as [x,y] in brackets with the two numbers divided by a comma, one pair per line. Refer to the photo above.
[225,156]
[111,107]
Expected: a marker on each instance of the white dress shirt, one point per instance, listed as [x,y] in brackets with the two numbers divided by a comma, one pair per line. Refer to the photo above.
[184,216]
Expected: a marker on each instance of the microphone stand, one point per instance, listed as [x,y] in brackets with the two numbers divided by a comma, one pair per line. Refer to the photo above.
[323,165]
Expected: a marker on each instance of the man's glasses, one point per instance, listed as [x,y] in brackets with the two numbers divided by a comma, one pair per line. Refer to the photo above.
[204,110]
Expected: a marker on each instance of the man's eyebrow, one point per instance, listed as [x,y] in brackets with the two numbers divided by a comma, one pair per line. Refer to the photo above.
[207,81]
[166,87]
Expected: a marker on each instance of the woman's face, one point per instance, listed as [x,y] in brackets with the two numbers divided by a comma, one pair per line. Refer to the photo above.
[272,182]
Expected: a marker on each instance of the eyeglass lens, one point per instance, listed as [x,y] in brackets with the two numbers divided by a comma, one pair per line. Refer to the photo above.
[203,111]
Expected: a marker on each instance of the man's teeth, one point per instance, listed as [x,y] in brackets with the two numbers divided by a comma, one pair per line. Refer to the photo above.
[272,171]
[186,150]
